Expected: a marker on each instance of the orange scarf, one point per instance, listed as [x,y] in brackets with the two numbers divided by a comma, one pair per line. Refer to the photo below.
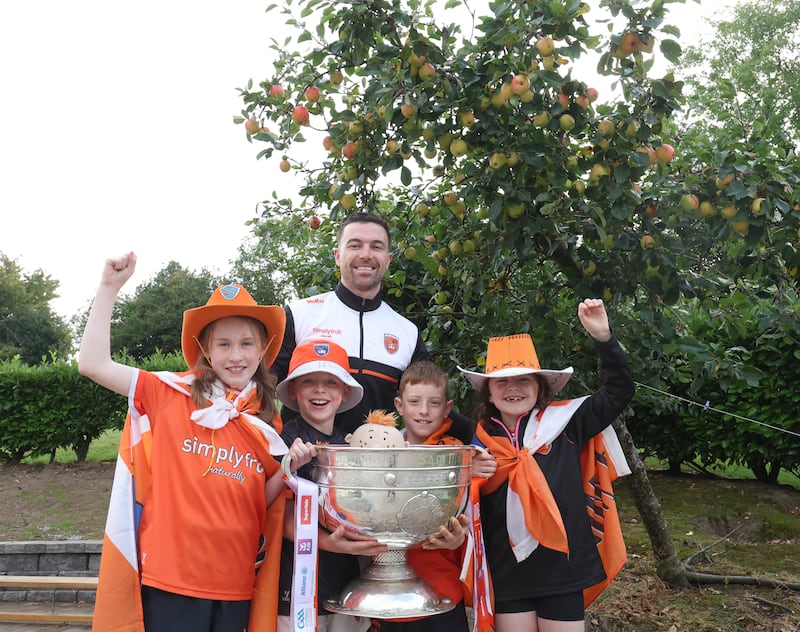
[440,436]
[602,462]
[527,482]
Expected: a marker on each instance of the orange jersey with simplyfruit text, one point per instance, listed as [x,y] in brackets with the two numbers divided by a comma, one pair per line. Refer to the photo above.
[201,523]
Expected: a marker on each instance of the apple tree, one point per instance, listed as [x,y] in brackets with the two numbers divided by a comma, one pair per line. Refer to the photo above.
[513,186]
[738,168]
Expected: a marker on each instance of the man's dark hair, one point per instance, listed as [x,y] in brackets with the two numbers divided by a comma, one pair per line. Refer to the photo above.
[367,218]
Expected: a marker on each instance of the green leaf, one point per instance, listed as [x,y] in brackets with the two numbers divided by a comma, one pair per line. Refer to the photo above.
[671,50]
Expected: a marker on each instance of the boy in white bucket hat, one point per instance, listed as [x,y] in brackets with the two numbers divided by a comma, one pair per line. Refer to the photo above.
[552,534]
[319,385]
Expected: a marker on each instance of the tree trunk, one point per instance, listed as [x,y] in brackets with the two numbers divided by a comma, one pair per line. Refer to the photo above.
[668,565]
[675,466]
[81,448]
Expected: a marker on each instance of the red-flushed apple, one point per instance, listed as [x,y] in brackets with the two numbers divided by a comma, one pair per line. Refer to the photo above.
[520,84]
[665,153]
[651,153]
[427,71]
[690,202]
[312,94]
[251,126]
[300,114]
[349,150]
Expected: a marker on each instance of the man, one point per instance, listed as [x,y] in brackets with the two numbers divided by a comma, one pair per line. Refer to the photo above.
[380,343]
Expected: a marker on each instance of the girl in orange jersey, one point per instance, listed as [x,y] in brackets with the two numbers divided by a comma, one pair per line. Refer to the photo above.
[552,534]
[188,524]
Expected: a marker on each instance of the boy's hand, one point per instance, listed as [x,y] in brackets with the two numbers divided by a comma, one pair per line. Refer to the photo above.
[301,453]
[340,541]
[593,317]
[450,537]
[484,465]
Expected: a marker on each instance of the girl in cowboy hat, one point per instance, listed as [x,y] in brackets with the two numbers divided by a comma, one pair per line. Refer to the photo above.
[552,536]
[197,471]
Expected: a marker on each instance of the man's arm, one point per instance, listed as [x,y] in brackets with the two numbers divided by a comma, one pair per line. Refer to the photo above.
[420,351]
[280,367]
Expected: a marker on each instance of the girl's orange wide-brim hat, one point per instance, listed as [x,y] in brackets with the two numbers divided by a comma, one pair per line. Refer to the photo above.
[508,356]
[231,300]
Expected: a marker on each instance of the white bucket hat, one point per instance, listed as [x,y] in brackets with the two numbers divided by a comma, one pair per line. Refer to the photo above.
[324,356]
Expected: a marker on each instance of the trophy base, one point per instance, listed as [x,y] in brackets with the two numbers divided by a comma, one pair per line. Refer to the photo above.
[390,591]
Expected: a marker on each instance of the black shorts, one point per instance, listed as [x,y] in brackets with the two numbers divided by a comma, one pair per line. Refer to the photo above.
[568,607]
[170,612]
[454,620]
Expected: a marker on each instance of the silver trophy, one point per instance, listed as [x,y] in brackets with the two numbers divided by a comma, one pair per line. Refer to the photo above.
[400,496]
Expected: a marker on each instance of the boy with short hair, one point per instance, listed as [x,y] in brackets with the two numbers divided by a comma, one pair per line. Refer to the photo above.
[423,402]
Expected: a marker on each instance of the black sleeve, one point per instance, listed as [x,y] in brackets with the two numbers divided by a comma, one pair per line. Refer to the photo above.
[421,351]
[280,367]
[612,397]
[463,428]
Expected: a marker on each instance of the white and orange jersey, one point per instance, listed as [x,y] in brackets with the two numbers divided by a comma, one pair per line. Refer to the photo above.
[380,343]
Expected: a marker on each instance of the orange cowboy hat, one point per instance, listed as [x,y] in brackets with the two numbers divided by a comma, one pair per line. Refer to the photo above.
[508,356]
[231,300]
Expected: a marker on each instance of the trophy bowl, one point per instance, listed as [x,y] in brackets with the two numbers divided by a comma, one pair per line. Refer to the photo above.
[399,496]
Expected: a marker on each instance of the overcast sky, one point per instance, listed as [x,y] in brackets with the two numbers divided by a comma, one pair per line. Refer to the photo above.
[116,134]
